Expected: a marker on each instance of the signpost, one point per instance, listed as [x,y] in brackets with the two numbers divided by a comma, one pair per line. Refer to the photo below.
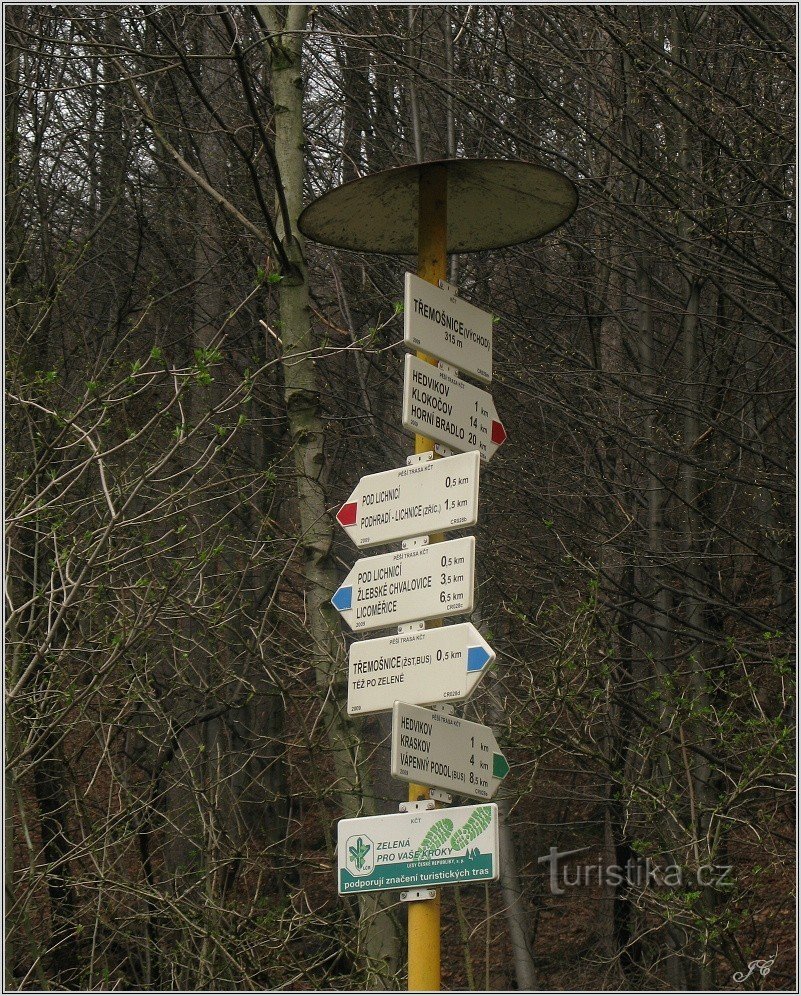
[425,497]
[431,665]
[419,849]
[445,752]
[442,324]
[429,208]
[449,410]
[421,583]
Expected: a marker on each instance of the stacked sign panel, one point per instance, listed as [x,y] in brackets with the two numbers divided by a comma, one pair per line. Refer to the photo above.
[413,668]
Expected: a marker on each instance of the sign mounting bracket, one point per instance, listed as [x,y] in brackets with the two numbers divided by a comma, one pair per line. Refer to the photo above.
[412,627]
[440,795]
[419,458]
[415,895]
[417,807]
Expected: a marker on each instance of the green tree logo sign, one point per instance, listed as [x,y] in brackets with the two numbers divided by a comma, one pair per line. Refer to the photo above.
[360,855]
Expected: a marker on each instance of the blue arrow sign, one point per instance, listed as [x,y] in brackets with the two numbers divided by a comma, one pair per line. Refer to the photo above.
[477,658]
[343,598]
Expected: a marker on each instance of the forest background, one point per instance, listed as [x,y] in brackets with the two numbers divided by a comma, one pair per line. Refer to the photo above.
[192,391]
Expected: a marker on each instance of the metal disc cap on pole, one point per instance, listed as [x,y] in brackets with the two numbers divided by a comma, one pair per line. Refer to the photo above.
[431,209]
[491,203]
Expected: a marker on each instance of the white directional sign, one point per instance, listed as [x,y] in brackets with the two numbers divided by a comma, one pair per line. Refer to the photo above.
[432,665]
[419,499]
[435,749]
[451,411]
[425,582]
[418,850]
[442,324]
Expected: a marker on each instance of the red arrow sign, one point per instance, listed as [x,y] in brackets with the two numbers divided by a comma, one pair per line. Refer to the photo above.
[498,433]
[346,516]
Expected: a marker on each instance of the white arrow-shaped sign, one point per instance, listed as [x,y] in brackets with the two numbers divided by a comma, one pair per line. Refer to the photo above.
[425,582]
[439,405]
[442,324]
[416,500]
[432,748]
[432,665]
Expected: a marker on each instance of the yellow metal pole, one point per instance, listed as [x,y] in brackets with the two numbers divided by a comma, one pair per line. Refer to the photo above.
[424,926]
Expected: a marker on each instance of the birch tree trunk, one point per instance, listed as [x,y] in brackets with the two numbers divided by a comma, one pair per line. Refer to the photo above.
[379,941]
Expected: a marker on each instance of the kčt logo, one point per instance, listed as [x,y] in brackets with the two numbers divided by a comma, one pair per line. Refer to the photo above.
[360,855]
